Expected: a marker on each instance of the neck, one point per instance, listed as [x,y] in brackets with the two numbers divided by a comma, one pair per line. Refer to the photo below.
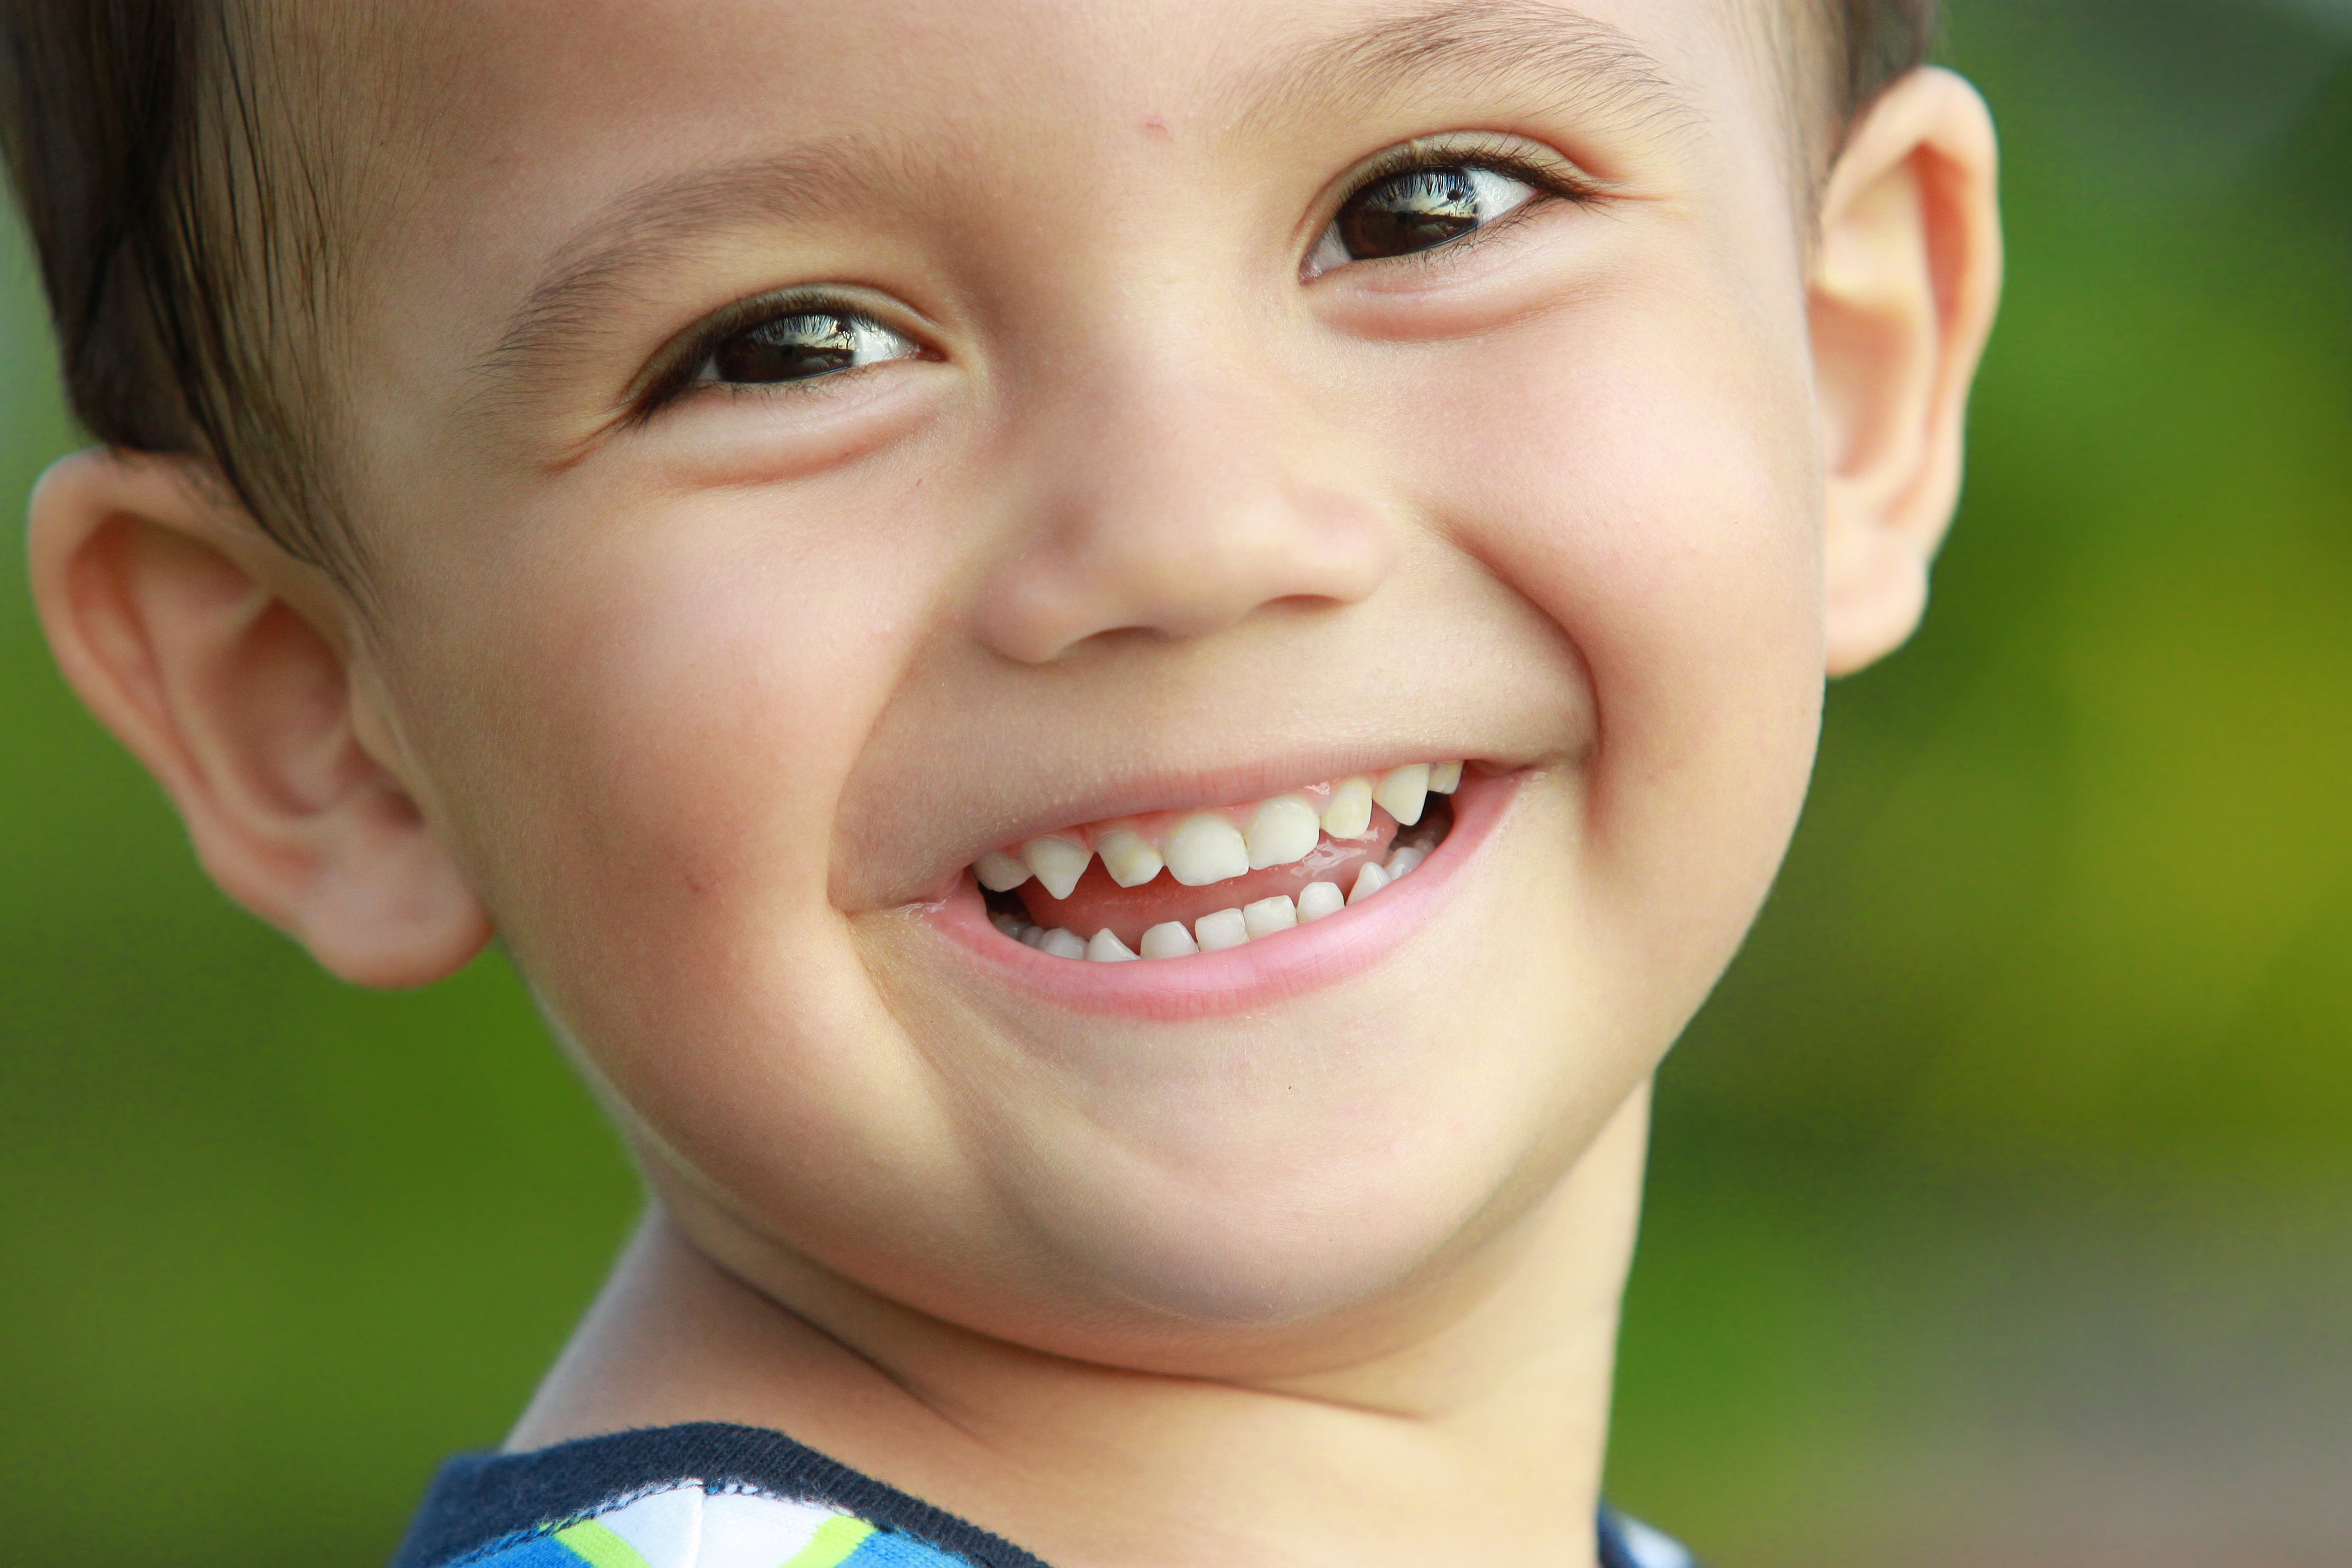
[1479,1440]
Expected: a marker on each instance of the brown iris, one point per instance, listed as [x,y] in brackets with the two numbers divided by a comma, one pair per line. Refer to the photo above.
[1420,209]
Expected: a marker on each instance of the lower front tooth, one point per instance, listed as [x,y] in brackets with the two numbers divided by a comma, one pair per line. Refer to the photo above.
[1369,881]
[1402,791]
[1058,862]
[999,873]
[1205,848]
[1169,940]
[1268,916]
[1318,899]
[1063,944]
[1224,929]
[1106,948]
[1405,859]
[1131,861]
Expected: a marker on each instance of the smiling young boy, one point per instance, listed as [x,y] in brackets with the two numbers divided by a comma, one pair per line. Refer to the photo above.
[1116,668]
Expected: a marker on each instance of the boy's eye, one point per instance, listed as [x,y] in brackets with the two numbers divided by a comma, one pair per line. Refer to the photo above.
[1417,210]
[801,347]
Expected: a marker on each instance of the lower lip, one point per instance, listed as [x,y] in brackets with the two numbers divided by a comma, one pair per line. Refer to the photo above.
[1238,979]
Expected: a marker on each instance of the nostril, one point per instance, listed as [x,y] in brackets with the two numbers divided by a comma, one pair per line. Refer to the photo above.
[1180,548]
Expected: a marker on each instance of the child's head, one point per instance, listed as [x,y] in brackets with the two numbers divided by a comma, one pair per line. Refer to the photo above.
[681,484]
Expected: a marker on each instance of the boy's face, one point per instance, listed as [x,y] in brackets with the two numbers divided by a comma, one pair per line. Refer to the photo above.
[1179,468]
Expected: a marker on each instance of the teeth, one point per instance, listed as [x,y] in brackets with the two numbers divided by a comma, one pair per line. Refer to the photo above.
[1401,792]
[1058,862]
[1206,847]
[1285,829]
[1225,928]
[1169,940]
[1106,948]
[1268,916]
[1349,814]
[1131,861]
[1000,873]
[1204,850]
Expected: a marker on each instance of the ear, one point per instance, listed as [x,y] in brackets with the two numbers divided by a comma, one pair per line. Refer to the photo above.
[1905,284]
[177,623]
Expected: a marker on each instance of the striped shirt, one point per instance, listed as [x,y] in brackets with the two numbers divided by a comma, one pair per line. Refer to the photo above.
[715,1496]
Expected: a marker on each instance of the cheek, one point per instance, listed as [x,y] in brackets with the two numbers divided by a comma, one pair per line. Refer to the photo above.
[1647,477]
[681,688]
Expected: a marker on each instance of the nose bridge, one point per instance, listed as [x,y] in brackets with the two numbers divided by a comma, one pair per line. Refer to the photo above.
[1175,487]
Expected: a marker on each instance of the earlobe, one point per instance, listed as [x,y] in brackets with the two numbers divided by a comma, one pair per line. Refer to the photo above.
[1905,286]
[180,629]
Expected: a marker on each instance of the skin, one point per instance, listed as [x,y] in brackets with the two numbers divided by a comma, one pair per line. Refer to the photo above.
[703,712]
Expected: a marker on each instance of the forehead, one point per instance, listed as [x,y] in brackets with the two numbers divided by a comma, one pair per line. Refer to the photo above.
[547,103]
[544,142]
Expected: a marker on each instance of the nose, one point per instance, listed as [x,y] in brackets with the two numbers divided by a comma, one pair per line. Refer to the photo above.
[1177,505]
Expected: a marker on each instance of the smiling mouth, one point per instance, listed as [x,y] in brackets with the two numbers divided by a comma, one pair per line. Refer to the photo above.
[1171,884]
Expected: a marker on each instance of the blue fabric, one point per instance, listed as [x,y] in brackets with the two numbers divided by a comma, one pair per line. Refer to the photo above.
[540,1553]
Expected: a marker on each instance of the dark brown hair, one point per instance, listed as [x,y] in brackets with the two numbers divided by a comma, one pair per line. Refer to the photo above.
[188,243]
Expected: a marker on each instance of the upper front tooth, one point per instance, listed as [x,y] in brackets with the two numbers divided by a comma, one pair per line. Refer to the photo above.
[1058,862]
[1000,873]
[1349,814]
[1286,829]
[1205,848]
[1130,859]
[1444,778]
[1401,792]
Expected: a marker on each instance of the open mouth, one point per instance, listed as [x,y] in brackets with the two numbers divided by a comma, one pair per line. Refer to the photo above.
[1172,885]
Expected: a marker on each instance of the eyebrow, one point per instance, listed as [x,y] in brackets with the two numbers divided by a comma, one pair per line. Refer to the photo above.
[655,224]
[1589,67]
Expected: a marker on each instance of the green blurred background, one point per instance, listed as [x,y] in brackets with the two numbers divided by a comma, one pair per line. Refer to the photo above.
[2002,1207]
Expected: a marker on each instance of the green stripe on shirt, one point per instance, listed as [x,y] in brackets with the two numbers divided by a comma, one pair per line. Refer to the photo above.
[600,1546]
[835,1539]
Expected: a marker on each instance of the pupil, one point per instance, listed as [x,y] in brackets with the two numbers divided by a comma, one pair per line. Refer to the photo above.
[1405,213]
[790,349]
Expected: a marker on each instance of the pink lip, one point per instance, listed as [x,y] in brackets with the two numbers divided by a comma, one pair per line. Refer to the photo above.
[1239,979]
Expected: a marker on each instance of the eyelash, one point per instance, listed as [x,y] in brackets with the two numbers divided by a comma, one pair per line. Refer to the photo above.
[1498,155]
[680,369]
